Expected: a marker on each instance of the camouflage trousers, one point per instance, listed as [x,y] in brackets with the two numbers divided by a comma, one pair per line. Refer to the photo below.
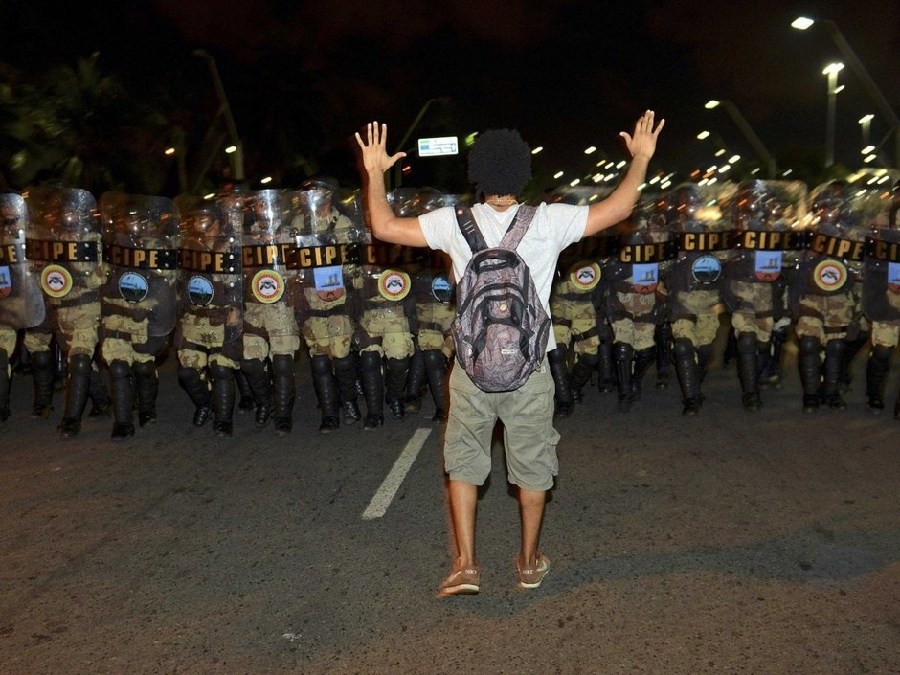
[124,339]
[269,330]
[8,338]
[885,333]
[572,321]
[754,311]
[434,319]
[329,329]
[826,317]
[697,318]
[201,344]
[386,330]
[76,330]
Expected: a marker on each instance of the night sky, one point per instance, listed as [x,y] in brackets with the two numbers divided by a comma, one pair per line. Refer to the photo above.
[566,74]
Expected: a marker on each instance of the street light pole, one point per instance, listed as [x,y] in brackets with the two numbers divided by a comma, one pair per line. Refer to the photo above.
[225,111]
[831,71]
[741,122]
[802,23]
[398,173]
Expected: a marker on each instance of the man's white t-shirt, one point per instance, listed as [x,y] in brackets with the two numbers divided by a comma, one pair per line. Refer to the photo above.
[553,228]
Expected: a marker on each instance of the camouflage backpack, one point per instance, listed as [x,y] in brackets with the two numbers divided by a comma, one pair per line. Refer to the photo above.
[501,328]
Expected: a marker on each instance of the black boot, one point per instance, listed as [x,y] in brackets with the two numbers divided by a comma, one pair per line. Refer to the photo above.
[563,399]
[584,367]
[851,349]
[771,373]
[395,383]
[120,389]
[748,370]
[642,360]
[415,383]
[245,402]
[877,368]
[43,371]
[326,388]
[688,371]
[260,381]
[146,389]
[704,356]
[345,373]
[197,388]
[285,391]
[98,393]
[436,372]
[76,395]
[832,370]
[223,395]
[809,362]
[5,373]
[624,354]
[373,388]
[606,370]
[663,338]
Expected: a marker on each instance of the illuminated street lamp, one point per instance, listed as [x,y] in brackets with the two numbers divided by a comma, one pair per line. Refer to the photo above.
[802,23]
[741,122]
[831,72]
[865,122]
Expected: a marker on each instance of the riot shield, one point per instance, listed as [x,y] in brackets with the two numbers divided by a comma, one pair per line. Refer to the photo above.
[327,229]
[881,282]
[269,259]
[644,253]
[21,300]
[703,241]
[140,245]
[62,244]
[210,281]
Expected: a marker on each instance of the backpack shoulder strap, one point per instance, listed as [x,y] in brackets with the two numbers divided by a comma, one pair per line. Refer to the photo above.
[518,227]
[469,229]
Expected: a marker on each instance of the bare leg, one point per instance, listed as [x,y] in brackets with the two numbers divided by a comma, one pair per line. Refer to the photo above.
[531,508]
[463,505]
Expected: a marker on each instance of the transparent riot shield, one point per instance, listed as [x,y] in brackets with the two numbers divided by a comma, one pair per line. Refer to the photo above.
[140,246]
[210,281]
[881,282]
[703,240]
[269,263]
[21,300]
[62,244]
[327,227]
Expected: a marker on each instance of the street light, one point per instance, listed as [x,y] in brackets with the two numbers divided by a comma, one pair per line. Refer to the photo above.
[865,122]
[741,122]
[225,111]
[802,23]
[831,72]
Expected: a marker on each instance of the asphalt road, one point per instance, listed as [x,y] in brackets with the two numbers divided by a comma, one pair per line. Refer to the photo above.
[733,542]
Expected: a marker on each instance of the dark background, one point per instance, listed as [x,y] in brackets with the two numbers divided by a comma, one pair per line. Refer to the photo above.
[567,74]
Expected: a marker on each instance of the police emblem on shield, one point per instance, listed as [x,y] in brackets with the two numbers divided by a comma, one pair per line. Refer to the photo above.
[200,291]
[5,282]
[706,269]
[893,277]
[767,265]
[645,277]
[133,287]
[441,289]
[394,285]
[268,286]
[830,275]
[585,276]
[56,281]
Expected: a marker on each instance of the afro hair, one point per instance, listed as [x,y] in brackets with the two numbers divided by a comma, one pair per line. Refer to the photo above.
[500,163]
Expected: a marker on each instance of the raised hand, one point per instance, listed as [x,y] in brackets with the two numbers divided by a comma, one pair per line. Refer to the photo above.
[643,142]
[374,152]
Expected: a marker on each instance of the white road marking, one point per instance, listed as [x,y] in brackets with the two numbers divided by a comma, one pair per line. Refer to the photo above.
[388,488]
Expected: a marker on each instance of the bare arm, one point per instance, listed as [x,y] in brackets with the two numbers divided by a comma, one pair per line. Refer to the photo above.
[618,206]
[385,225]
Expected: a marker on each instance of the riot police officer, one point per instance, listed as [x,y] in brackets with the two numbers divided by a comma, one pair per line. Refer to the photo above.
[328,228]
[21,301]
[138,300]
[208,336]
[63,248]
